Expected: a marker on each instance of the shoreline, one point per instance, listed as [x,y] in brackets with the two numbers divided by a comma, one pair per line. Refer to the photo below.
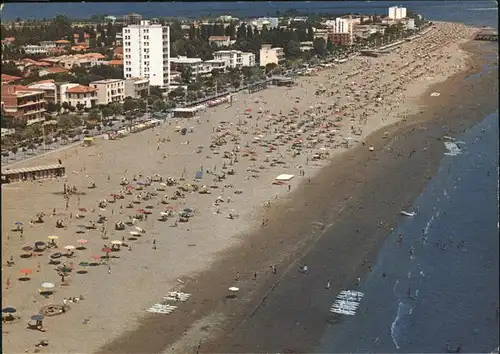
[174,257]
[296,319]
[225,317]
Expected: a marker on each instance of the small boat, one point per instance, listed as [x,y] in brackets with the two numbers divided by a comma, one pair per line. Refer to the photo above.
[405,213]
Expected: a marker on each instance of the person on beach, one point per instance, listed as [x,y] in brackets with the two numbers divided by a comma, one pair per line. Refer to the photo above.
[328,284]
[109,269]
[273,269]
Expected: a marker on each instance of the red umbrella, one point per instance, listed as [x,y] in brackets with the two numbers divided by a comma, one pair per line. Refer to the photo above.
[169,207]
[129,188]
[82,209]
[26,271]
[106,249]
[96,258]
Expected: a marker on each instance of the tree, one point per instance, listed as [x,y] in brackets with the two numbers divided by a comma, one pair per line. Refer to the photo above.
[179,92]
[271,67]
[159,105]
[65,105]
[292,49]
[130,104]
[106,112]
[9,68]
[94,114]
[186,73]
[116,108]
[14,150]
[319,47]
[80,107]
[51,107]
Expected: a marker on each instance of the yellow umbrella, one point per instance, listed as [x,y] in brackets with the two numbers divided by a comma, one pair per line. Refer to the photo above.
[116,242]
[53,237]
[69,247]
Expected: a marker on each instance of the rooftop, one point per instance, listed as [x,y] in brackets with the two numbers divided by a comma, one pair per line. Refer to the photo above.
[106,81]
[9,78]
[81,89]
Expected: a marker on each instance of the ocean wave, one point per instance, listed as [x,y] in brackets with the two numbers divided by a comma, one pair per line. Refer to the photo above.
[484,9]
[453,149]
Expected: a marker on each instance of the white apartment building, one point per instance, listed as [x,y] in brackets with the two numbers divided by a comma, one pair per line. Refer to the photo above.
[270,55]
[269,22]
[35,49]
[397,13]
[109,90]
[146,53]
[235,58]
[136,87]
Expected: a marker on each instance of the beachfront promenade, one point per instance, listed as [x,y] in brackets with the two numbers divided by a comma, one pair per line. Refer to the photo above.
[175,227]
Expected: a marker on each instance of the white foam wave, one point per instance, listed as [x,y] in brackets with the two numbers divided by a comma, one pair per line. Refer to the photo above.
[485,9]
[452,148]
[394,326]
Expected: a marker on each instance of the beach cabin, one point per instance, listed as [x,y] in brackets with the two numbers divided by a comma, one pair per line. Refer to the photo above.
[32,173]
[188,112]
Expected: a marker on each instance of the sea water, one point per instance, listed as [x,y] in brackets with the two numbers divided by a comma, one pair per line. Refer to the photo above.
[448,289]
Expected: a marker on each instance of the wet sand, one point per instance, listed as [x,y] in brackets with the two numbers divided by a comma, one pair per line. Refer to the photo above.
[117,294]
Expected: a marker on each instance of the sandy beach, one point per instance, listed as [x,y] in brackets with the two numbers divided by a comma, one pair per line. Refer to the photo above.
[304,130]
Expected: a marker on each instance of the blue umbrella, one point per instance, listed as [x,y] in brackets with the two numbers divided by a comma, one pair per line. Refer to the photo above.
[18,223]
[38,317]
[39,243]
[141,183]
[9,310]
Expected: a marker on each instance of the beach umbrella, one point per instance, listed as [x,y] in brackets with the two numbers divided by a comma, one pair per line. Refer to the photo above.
[96,258]
[27,248]
[26,271]
[56,255]
[53,237]
[106,250]
[37,317]
[234,289]
[69,247]
[129,188]
[9,310]
[116,242]
[82,209]
[82,241]
[134,233]
[139,229]
[39,244]
[18,223]
[48,286]
[141,210]
[83,264]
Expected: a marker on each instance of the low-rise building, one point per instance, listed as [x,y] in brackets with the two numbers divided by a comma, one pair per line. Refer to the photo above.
[235,58]
[269,55]
[35,49]
[269,22]
[55,92]
[23,105]
[49,87]
[196,65]
[220,41]
[79,95]
[217,64]
[52,70]
[136,87]
[81,60]
[109,90]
